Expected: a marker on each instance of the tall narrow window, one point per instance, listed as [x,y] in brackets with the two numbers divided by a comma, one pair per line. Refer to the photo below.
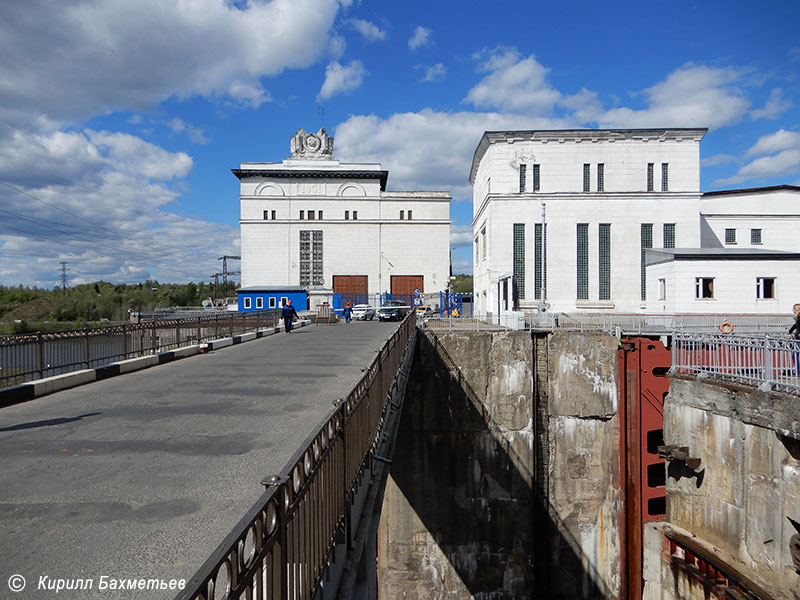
[248,302]
[305,258]
[647,242]
[311,215]
[355,215]
[319,215]
[274,215]
[662,289]
[409,215]
[483,242]
[604,254]
[755,237]
[539,262]
[650,177]
[272,302]
[587,176]
[730,236]
[302,214]
[583,261]
[260,302]
[402,214]
[535,178]
[669,235]
[601,183]
[347,215]
[477,251]
[522,173]
[664,177]
[266,215]
[316,258]
[519,260]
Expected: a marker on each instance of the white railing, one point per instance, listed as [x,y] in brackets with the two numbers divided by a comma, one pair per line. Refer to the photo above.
[768,362]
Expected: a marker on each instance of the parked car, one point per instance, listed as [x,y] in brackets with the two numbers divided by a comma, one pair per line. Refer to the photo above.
[393,310]
[363,312]
[424,311]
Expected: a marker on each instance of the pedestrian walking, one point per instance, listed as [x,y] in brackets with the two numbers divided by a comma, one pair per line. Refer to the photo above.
[348,312]
[794,331]
[288,314]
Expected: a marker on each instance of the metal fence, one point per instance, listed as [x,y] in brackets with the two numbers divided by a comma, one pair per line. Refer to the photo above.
[30,357]
[767,362]
[280,548]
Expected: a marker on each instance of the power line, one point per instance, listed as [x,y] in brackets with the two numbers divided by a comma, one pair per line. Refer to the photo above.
[63,277]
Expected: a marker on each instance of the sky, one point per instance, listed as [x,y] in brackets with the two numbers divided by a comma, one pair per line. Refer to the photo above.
[120,120]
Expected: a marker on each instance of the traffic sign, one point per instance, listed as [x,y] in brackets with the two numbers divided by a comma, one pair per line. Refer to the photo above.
[416,292]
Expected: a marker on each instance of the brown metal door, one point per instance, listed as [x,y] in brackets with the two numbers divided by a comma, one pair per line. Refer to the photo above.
[404,285]
[353,288]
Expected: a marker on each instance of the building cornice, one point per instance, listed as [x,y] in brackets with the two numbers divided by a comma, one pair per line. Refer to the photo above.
[694,134]
[311,174]
[755,190]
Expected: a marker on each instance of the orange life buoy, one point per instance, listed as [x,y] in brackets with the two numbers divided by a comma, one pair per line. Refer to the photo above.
[725,327]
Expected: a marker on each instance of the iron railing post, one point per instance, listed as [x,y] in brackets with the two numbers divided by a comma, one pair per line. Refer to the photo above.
[768,378]
[124,341]
[86,346]
[39,355]
[153,337]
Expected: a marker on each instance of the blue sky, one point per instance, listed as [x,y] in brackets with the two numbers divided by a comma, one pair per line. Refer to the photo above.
[120,120]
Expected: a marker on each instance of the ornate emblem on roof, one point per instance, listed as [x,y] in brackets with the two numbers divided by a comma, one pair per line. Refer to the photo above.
[311,145]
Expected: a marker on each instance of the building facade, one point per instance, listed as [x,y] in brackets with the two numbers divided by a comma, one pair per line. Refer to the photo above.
[565,220]
[331,227]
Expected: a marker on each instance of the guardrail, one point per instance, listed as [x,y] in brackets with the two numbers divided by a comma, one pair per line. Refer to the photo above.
[29,357]
[767,362]
[280,548]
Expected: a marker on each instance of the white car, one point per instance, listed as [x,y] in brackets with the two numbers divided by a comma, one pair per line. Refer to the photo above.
[363,312]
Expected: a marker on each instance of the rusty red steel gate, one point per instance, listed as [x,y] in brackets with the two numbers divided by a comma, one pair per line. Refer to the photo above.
[643,365]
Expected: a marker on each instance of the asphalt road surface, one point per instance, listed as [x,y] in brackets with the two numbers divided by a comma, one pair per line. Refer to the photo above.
[143,475]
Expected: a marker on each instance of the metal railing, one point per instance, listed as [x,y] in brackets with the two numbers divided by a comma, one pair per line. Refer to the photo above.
[280,548]
[30,357]
[767,362]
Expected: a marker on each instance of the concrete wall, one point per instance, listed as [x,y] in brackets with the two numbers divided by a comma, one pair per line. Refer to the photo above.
[742,505]
[457,518]
[585,501]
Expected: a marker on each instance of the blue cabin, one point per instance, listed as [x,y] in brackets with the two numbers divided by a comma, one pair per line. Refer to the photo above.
[271,297]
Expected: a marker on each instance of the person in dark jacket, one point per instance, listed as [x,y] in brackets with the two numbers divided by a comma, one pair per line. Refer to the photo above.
[794,331]
[288,314]
[348,312]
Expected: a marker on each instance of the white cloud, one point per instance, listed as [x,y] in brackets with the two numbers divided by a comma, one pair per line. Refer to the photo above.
[717,159]
[101,206]
[195,134]
[775,142]
[461,236]
[774,107]
[66,61]
[434,73]
[691,96]
[370,31]
[420,37]
[784,148]
[514,84]
[341,79]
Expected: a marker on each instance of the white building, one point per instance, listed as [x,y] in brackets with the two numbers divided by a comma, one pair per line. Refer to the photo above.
[333,228]
[563,220]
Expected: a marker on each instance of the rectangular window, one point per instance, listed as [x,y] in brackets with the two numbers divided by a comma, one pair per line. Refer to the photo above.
[730,236]
[604,253]
[522,173]
[259,303]
[355,215]
[311,215]
[647,242]
[650,176]
[409,215]
[765,288]
[284,300]
[266,215]
[319,215]
[316,258]
[586,177]
[664,177]
[703,287]
[347,215]
[274,213]
[535,178]
[483,242]
[272,302]
[311,258]
[302,213]
[583,261]
[402,214]
[477,251]
[519,260]
[601,176]
[247,302]
[662,289]
[669,235]
[755,237]
[539,276]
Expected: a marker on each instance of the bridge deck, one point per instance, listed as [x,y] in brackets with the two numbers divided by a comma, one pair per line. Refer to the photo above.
[142,475]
